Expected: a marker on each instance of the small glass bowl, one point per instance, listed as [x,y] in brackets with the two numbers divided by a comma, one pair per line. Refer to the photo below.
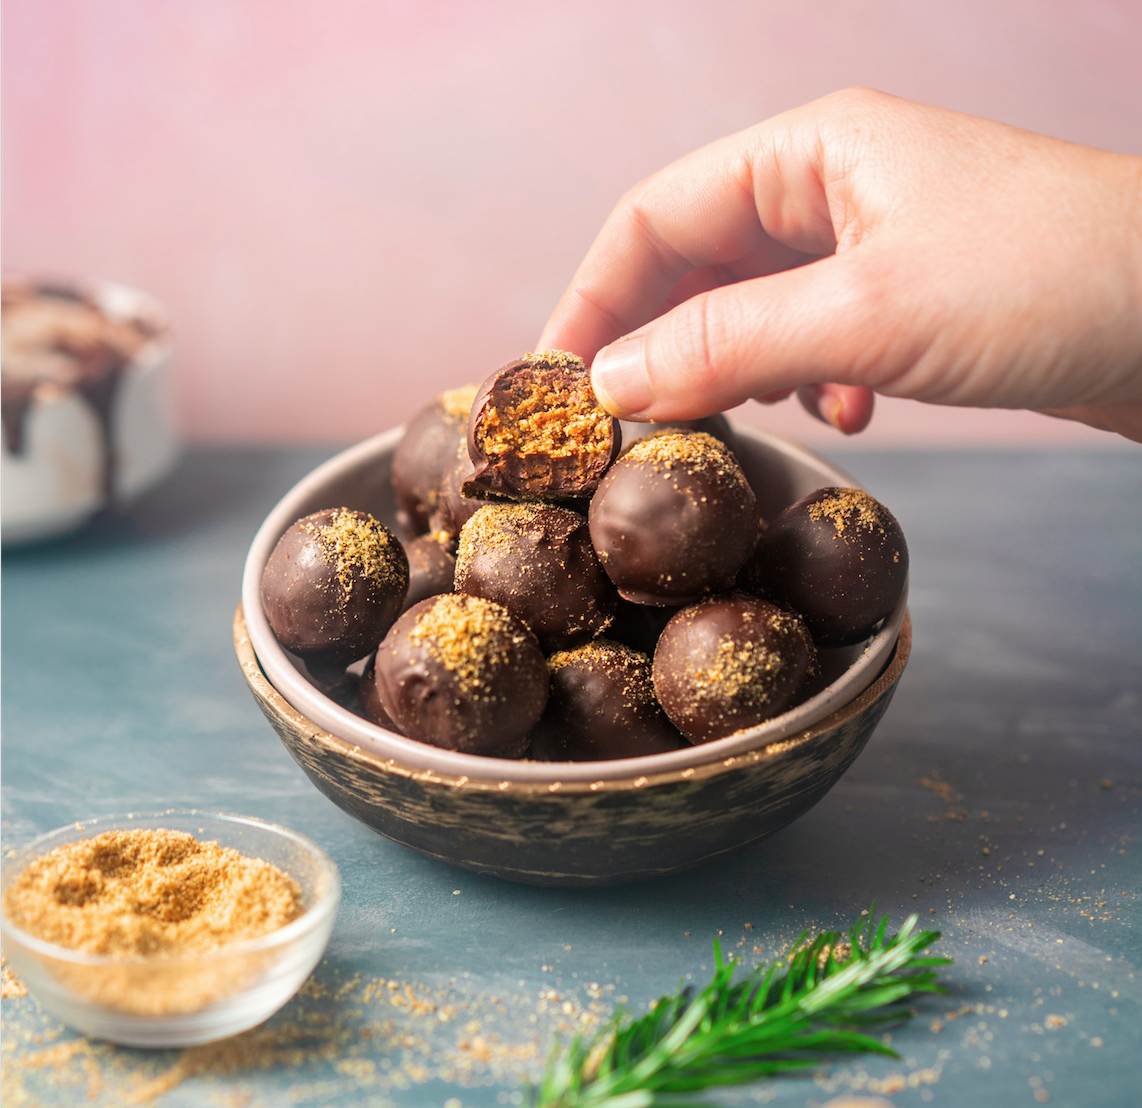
[172,1001]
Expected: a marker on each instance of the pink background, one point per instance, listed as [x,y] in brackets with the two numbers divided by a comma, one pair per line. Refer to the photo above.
[349,206]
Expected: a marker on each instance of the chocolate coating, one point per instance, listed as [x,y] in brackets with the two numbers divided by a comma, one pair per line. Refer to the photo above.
[538,562]
[537,431]
[454,509]
[431,569]
[333,586]
[426,448]
[838,557]
[673,519]
[602,706]
[462,673]
[730,662]
[370,700]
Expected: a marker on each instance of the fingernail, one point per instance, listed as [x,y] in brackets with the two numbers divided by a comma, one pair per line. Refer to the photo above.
[618,376]
[830,409]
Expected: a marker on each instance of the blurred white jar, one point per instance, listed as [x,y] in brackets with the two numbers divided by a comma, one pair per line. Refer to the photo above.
[87,403]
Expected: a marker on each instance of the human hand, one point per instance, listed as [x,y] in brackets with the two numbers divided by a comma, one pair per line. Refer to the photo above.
[866,244]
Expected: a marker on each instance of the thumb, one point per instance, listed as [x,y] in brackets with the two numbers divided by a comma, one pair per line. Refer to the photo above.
[818,324]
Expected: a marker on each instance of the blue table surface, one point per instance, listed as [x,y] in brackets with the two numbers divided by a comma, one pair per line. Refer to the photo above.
[999,800]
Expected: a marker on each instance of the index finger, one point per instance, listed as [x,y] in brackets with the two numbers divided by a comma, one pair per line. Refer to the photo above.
[746,206]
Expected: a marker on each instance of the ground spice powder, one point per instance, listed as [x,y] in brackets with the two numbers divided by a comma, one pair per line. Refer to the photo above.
[149,892]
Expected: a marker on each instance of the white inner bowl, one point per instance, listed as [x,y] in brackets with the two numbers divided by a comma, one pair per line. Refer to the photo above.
[359,478]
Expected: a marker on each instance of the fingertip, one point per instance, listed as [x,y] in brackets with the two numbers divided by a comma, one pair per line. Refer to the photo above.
[848,408]
[619,377]
[773,397]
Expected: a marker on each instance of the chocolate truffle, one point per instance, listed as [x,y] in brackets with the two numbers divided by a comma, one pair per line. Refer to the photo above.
[839,558]
[728,663]
[333,586]
[370,700]
[673,519]
[454,509]
[602,706]
[537,431]
[431,569]
[537,561]
[426,448]
[462,673]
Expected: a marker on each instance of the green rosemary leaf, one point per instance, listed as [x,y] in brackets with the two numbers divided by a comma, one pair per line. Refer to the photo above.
[778,1019]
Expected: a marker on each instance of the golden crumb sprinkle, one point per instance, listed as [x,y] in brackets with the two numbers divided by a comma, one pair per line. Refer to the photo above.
[694,448]
[560,359]
[149,892]
[356,541]
[621,662]
[845,506]
[746,673]
[468,636]
[494,529]
[741,672]
[598,652]
[457,403]
[695,451]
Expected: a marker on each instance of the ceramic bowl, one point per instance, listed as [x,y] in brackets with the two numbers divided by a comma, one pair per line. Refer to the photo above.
[58,479]
[568,823]
[172,1001]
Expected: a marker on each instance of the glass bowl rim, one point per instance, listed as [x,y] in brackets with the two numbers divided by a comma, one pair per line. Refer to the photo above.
[312,918]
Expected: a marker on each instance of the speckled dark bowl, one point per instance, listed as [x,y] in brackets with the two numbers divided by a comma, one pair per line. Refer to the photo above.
[585,823]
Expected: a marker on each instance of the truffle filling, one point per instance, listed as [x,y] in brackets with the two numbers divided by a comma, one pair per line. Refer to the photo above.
[543,419]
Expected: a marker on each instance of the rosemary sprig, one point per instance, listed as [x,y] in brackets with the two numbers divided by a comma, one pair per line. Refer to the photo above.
[779,1018]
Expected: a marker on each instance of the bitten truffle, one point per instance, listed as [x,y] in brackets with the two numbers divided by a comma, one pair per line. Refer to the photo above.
[838,557]
[602,706]
[333,586]
[537,431]
[537,561]
[427,447]
[728,663]
[673,519]
[462,673]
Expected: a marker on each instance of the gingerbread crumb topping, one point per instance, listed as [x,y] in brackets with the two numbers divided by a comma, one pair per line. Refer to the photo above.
[468,636]
[146,892]
[457,403]
[843,507]
[356,541]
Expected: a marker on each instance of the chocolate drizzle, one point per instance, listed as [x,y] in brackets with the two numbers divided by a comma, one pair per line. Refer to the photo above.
[15,399]
[99,386]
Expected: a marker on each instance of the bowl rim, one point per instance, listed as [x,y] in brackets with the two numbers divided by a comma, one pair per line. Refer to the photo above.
[273,701]
[308,701]
[310,920]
